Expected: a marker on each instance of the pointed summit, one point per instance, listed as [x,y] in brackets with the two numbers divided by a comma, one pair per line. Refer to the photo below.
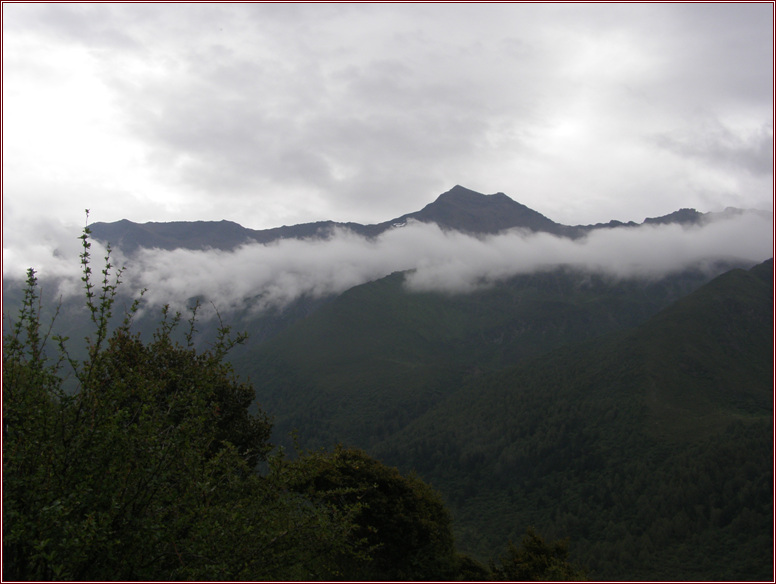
[459,193]
[459,209]
[468,211]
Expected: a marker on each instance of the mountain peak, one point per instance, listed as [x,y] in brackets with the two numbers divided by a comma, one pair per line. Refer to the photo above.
[682,216]
[459,209]
[468,211]
[459,194]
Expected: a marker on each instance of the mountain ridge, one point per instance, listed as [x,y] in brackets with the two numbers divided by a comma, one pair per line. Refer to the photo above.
[459,209]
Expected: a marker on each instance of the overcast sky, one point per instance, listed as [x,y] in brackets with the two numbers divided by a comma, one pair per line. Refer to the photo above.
[271,114]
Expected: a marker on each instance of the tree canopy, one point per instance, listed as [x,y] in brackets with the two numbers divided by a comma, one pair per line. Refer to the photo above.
[139,461]
[536,560]
[401,520]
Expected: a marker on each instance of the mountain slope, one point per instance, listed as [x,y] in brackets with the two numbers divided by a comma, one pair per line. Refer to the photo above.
[650,448]
[464,210]
[129,236]
[367,363]
[709,353]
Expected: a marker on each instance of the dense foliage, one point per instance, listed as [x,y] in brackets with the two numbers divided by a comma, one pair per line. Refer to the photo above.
[651,449]
[404,522]
[536,560]
[369,362]
[139,461]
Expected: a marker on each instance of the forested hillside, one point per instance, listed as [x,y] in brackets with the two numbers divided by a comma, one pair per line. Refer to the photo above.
[367,363]
[568,403]
[652,448]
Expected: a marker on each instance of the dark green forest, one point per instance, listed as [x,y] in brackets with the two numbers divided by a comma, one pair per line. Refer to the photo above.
[633,417]
[554,426]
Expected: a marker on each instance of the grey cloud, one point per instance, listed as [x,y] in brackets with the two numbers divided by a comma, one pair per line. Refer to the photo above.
[729,48]
[226,126]
[230,112]
[92,25]
[717,58]
[51,248]
[644,252]
[717,144]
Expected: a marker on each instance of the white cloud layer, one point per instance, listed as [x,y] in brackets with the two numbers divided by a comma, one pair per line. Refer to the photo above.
[263,276]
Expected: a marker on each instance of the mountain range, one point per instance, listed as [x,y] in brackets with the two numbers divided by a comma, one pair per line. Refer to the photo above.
[631,415]
[459,209]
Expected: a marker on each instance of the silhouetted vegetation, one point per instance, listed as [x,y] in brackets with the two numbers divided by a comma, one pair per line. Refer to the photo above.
[145,470]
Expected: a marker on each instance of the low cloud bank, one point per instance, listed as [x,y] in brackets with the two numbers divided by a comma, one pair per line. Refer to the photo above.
[265,276]
[648,251]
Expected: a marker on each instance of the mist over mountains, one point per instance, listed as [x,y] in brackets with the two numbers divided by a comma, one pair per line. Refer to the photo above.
[460,242]
[459,209]
[609,383]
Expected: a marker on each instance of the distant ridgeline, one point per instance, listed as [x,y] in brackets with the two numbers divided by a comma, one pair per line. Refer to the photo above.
[458,209]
